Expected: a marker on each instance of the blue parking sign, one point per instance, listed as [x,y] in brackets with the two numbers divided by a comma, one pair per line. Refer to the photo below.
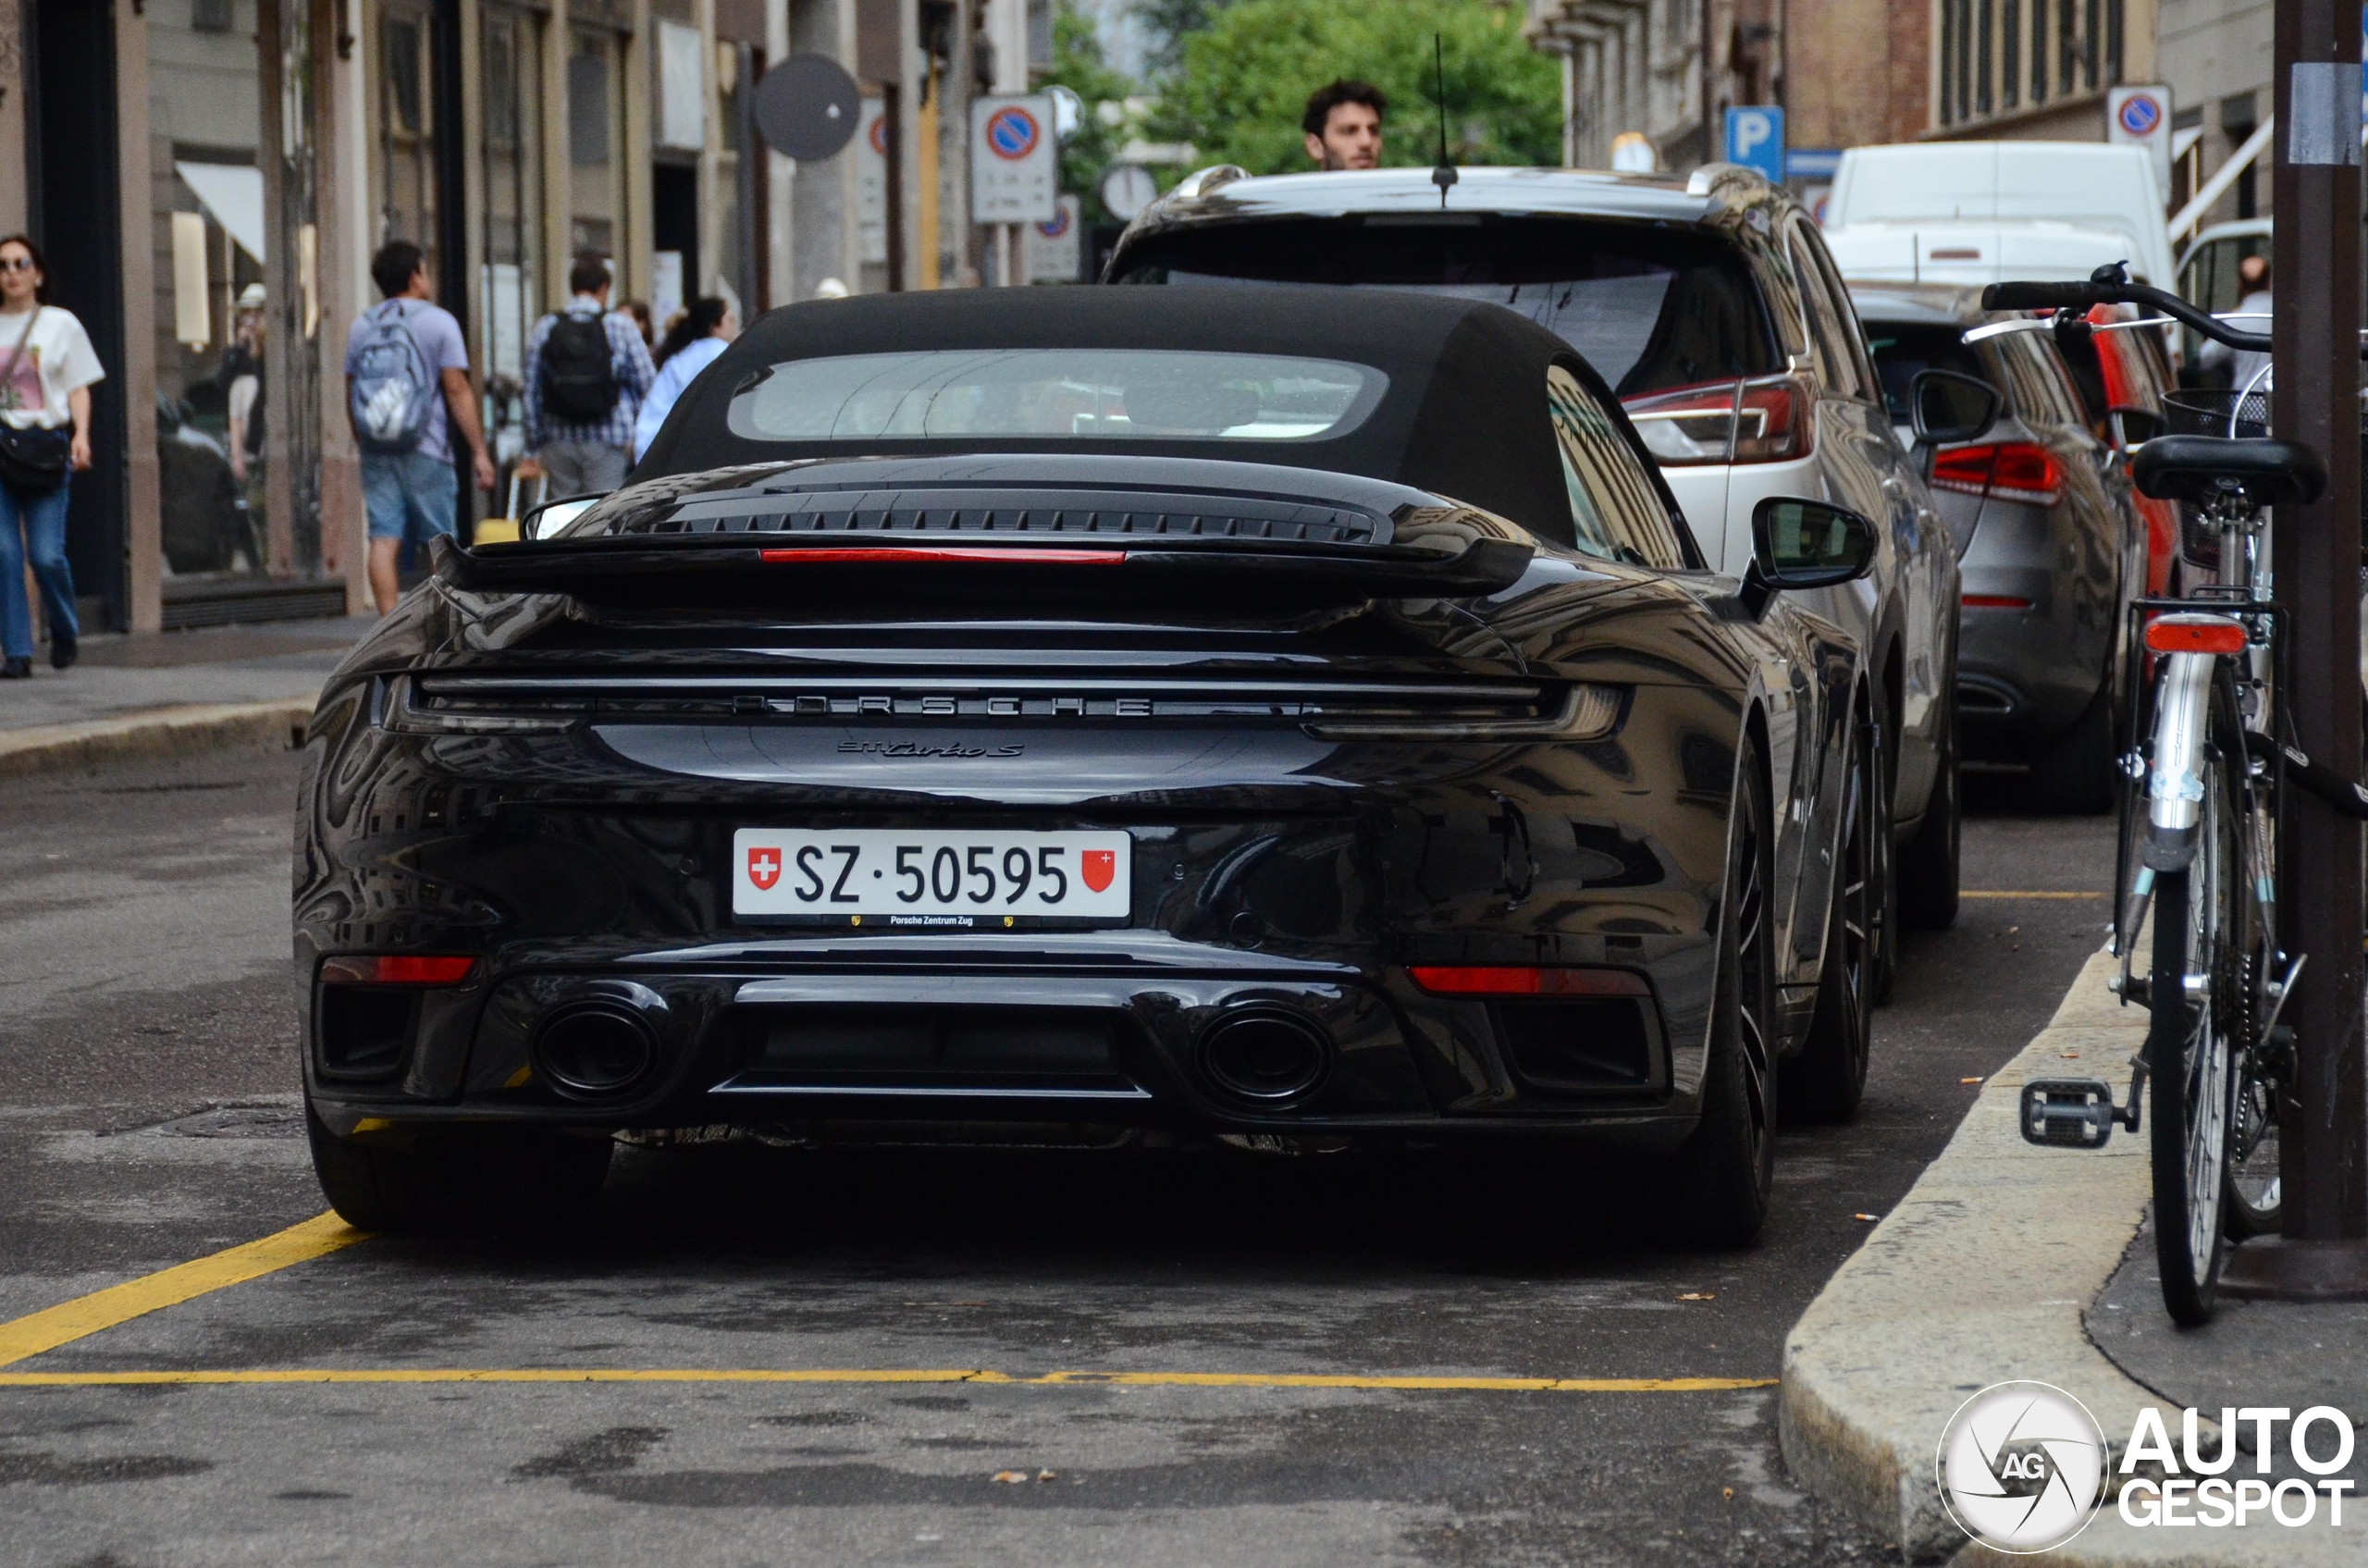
[1755,140]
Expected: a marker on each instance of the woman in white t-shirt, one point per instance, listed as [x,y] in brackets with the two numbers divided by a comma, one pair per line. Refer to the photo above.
[46,371]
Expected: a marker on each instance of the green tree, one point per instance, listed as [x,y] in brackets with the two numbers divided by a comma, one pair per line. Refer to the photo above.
[1244,80]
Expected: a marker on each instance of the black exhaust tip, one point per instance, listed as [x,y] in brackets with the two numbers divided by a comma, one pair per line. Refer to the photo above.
[1266,1057]
[599,1048]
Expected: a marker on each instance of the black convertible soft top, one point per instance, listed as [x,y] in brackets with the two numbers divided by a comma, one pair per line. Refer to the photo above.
[1465,414]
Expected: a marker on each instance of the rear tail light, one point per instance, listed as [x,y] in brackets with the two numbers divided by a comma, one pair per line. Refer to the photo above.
[2195,634]
[1764,421]
[1993,601]
[397,968]
[1508,980]
[2020,471]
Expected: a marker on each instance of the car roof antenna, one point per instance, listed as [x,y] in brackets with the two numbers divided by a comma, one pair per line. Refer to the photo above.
[1444,175]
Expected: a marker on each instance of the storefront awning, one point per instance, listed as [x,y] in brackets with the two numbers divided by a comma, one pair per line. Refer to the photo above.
[233,194]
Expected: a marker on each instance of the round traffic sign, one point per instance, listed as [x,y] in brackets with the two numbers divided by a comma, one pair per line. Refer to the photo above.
[1128,188]
[1012,132]
[1058,226]
[878,134]
[807,107]
[2140,113]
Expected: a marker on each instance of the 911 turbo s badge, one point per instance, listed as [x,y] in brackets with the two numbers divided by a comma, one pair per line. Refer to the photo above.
[908,748]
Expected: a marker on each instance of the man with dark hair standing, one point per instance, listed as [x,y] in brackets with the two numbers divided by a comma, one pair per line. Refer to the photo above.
[587,373]
[406,367]
[1343,125]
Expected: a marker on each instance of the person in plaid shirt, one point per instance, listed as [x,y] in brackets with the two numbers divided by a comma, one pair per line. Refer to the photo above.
[579,424]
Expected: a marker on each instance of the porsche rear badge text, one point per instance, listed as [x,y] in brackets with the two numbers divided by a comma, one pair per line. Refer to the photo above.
[902,749]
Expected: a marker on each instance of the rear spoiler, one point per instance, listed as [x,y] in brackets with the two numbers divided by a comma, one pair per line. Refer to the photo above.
[842,568]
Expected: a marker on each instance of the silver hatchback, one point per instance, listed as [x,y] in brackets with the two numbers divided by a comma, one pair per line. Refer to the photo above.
[2050,545]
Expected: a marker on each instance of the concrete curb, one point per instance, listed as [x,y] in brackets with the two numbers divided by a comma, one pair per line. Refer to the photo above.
[1978,1276]
[47,749]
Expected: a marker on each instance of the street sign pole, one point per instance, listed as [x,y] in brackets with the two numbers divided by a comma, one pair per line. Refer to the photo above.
[2323,1254]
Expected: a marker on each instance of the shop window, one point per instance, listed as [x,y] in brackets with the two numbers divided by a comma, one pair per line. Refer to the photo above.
[406,149]
[210,15]
[595,162]
[510,274]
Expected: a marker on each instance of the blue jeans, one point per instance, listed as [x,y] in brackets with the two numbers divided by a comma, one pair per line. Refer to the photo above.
[33,527]
[408,495]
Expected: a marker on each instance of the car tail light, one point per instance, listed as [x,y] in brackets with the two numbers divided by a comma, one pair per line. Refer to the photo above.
[1765,421]
[940,554]
[2022,471]
[2195,634]
[1508,980]
[1993,601]
[397,968]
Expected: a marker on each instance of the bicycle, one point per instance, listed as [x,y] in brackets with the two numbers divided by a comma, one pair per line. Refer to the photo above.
[2201,817]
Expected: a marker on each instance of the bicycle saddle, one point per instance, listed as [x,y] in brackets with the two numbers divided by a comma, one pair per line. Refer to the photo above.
[2199,468]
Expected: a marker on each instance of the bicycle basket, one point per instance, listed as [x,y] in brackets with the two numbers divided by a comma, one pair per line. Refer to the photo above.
[2202,411]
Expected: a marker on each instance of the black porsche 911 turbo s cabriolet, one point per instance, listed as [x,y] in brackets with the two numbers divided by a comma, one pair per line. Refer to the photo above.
[1293,716]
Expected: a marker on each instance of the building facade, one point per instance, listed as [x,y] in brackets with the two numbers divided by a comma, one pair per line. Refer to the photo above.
[208,179]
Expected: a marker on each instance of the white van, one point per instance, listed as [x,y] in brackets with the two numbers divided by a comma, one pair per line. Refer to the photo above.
[1979,211]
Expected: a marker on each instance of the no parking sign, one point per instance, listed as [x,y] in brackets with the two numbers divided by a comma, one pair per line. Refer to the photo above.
[1015,160]
[2140,116]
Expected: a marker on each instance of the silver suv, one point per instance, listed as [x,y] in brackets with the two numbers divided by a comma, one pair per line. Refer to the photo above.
[1711,308]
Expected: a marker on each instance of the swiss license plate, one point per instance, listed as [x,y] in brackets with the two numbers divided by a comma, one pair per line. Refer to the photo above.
[900,877]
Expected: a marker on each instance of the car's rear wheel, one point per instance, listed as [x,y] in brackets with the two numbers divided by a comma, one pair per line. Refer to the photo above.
[1828,1078]
[2074,774]
[461,1179]
[1927,866]
[1719,1179]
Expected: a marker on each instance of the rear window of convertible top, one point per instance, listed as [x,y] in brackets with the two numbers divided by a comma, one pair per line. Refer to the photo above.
[1087,394]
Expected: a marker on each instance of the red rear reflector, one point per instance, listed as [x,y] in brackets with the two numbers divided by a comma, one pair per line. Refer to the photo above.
[396,968]
[2009,470]
[2195,634]
[1499,980]
[908,554]
[1993,601]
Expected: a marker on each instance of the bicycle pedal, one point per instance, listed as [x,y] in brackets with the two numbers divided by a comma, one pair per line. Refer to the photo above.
[2067,1113]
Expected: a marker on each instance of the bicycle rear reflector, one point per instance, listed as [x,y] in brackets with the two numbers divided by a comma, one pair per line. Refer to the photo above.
[2195,634]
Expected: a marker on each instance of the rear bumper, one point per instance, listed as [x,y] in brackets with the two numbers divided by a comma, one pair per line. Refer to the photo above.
[946,1036]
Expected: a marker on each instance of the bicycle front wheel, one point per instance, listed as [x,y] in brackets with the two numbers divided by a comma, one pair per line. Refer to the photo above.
[2195,1000]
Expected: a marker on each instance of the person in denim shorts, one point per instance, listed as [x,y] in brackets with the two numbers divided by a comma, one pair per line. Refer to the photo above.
[412,494]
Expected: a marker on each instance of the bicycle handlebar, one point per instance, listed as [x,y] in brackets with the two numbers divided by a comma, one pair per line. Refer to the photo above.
[2081,296]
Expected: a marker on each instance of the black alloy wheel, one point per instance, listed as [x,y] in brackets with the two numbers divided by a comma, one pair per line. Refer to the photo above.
[1828,1078]
[1929,866]
[463,1181]
[1719,1179]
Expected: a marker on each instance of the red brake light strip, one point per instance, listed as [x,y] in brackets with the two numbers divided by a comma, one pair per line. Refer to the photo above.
[993,555]
[1490,980]
[397,968]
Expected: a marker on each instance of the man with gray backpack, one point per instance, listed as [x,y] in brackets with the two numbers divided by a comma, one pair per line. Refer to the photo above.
[405,368]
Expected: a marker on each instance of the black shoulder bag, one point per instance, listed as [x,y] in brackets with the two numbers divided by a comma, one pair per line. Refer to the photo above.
[33,460]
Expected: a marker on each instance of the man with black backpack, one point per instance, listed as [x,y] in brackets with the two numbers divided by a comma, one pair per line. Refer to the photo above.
[587,373]
[405,366]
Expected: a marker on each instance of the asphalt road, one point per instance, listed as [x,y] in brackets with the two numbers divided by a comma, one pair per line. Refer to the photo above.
[147,1118]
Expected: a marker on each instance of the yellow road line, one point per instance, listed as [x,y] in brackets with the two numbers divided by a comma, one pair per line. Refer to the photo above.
[69,1321]
[2013,892]
[882,1374]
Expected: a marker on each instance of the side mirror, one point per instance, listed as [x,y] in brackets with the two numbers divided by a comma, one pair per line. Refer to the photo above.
[1798,543]
[1946,406]
[2133,428]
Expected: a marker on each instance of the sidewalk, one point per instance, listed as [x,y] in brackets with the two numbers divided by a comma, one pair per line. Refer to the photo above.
[2006,1262]
[140,695]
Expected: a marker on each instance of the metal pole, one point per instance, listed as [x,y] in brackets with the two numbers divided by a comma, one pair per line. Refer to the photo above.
[2324,1127]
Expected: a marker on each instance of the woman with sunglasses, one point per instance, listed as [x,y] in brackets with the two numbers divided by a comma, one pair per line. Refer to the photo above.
[47,368]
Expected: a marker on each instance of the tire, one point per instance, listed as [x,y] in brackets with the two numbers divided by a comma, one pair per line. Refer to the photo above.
[1927,866]
[1717,1182]
[2191,1062]
[1828,1078]
[465,1180]
[2073,775]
